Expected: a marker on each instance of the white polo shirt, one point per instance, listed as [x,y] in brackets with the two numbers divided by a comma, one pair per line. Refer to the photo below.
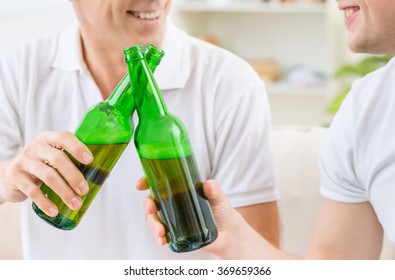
[45,85]
[357,160]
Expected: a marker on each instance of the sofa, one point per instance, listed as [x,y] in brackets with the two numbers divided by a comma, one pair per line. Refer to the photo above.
[296,150]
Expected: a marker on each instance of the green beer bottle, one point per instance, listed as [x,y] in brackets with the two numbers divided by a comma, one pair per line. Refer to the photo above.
[168,161]
[106,130]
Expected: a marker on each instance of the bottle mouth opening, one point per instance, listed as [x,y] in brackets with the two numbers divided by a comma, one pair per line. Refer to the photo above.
[134,52]
[154,49]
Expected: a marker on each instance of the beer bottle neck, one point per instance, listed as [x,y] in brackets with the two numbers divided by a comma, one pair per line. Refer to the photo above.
[122,96]
[149,102]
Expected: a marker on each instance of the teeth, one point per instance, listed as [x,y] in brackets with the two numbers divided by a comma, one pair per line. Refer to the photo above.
[151,15]
[349,11]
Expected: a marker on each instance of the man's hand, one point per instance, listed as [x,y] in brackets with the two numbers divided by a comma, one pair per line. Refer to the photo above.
[43,160]
[230,224]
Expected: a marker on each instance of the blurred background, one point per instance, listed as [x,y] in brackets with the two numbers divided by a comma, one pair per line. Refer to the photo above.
[296,46]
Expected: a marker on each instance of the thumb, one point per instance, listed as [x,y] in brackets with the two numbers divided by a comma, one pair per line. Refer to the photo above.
[214,193]
[221,207]
[226,218]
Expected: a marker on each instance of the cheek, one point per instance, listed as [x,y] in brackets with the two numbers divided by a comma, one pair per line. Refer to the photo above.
[379,15]
[104,20]
[386,21]
[379,28]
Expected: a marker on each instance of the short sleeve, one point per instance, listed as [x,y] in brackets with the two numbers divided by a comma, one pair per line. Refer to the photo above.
[243,161]
[338,174]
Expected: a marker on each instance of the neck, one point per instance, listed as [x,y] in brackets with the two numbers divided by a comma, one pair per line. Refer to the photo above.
[104,62]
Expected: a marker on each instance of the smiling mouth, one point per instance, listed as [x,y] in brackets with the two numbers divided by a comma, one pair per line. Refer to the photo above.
[146,15]
[350,10]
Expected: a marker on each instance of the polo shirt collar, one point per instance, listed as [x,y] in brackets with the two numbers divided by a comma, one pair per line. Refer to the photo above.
[69,51]
[172,73]
[174,70]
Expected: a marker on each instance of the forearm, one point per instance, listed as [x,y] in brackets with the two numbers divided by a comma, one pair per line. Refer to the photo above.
[243,242]
[264,219]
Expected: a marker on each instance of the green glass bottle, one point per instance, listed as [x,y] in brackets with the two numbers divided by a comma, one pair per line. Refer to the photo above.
[168,161]
[106,130]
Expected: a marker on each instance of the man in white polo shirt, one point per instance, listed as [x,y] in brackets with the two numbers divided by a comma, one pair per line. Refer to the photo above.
[48,84]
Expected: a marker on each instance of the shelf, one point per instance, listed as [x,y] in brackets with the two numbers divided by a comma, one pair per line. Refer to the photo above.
[215,6]
[291,34]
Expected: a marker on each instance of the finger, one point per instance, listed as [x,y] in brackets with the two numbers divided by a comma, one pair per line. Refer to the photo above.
[161,241]
[24,182]
[156,227]
[149,206]
[69,142]
[153,221]
[53,180]
[142,184]
[58,160]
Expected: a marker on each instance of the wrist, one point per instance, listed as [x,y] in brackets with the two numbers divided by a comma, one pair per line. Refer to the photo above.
[236,240]
[243,242]
[3,168]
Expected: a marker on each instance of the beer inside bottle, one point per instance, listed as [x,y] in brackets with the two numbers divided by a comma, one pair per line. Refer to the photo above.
[176,186]
[168,161]
[106,130]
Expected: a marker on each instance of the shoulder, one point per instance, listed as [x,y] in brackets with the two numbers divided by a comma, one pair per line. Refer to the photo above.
[31,55]
[375,84]
[372,93]
[369,97]
[42,46]
[359,129]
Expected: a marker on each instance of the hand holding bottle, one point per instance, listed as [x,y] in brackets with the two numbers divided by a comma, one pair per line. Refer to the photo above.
[236,238]
[231,226]
[43,160]
[106,130]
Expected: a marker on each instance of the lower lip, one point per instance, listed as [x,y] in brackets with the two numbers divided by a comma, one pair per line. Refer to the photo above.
[348,21]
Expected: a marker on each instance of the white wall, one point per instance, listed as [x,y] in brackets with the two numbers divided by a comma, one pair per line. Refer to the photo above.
[23,19]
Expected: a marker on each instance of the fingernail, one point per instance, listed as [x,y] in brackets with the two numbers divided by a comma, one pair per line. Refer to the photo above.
[76,202]
[83,188]
[87,157]
[52,211]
